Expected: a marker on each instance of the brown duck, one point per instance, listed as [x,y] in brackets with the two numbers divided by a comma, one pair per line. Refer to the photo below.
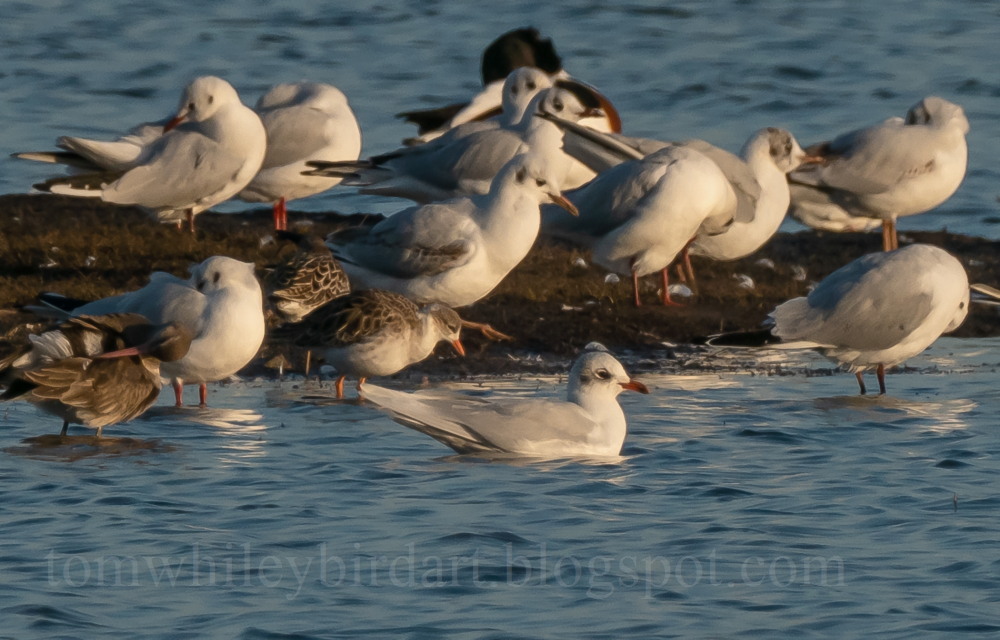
[93,370]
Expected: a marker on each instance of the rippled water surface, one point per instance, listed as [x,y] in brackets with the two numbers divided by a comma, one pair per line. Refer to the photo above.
[715,70]
[743,506]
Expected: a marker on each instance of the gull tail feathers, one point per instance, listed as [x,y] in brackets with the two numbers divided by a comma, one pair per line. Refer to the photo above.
[413,411]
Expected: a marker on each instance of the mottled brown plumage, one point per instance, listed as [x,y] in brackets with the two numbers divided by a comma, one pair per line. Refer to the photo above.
[93,370]
[310,278]
[374,333]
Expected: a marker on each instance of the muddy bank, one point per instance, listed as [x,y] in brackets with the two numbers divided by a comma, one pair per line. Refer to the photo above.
[553,303]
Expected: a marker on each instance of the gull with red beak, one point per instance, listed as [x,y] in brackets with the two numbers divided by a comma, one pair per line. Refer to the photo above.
[209,151]
[457,251]
[589,423]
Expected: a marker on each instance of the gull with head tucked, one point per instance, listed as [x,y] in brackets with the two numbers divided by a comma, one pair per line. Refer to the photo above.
[899,167]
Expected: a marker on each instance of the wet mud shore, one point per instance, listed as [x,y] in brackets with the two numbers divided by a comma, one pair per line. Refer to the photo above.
[553,304]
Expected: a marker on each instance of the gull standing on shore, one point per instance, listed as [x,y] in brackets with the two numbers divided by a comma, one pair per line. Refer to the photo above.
[874,312]
[639,216]
[304,121]
[465,161]
[220,305]
[209,151]
[457,251]
[892,169]
[758,177]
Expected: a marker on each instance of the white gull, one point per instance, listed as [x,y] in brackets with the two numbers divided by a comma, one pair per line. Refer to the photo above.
[457,251]
[304,121]
[589,423]
[894,168]
[211,149]
[220,304]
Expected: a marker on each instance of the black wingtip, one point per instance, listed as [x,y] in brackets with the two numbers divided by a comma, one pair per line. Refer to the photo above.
[758,338]
[60,302]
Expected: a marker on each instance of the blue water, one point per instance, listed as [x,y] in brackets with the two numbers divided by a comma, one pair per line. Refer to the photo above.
[715,70]
[745,504]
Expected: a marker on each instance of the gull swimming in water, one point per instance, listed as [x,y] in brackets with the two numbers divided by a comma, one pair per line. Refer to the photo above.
[221,305]
[589,423]
[94,370]
[457,251]
[874,312]
[209,151]
[374,333]
[894,168]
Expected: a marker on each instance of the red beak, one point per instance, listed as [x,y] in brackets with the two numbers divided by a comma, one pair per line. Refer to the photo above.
[176,120]
[457,346]
[634,385]
[121,353]
[563,202]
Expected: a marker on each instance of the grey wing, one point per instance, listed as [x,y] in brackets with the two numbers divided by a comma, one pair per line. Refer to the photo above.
[166,298]
[876,159]
[433,162]
[176,171]
[863,305]
[294,134]
[598,151]
[471,425]
[744,184]
[422,240]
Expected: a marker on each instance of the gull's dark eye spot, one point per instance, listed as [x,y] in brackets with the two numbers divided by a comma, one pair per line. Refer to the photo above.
[557,104]
[211,99]
[531,86]
[961,305]
[520,175]
[215,278]
[191,106]
[540,182]
[603,374]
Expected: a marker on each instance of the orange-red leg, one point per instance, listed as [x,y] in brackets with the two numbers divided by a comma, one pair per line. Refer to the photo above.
[280,215]
[667,300]
[861,383]
[178,393]
[635,290]
[890,239]
[202,395]
[880,374]
[339,386]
